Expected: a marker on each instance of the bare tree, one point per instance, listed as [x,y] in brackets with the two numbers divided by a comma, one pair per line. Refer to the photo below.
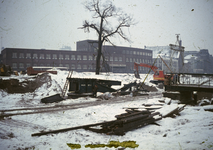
[105,14]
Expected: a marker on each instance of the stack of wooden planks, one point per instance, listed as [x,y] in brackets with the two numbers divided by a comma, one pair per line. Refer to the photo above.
[128,121]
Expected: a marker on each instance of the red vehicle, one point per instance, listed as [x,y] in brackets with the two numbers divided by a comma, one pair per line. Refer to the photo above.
[158,76]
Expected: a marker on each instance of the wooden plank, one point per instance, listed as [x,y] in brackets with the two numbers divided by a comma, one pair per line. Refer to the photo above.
[141,117]
[124,115]
[148,108]
[132,126]
[72,128]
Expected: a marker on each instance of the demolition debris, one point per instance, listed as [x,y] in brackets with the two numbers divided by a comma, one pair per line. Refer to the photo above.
[134,118]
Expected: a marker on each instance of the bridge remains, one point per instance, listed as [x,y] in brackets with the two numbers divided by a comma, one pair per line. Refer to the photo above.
[190,87]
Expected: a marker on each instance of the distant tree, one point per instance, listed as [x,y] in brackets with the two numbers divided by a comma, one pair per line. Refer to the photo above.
[106,13]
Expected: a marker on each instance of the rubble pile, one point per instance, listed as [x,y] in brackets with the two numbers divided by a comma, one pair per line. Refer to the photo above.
[28,85]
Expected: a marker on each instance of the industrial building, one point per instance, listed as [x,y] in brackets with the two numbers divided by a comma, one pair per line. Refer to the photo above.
[115,59]
[198,61]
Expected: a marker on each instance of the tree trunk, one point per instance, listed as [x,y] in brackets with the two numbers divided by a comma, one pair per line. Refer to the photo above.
[98,58]
[99,47]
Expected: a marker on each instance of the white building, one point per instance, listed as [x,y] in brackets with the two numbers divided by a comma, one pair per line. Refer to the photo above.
[169,56]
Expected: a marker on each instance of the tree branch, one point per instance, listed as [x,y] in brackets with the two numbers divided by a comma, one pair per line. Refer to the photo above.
[105,13]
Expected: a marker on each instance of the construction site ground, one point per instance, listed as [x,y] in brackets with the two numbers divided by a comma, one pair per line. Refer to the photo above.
[22,114]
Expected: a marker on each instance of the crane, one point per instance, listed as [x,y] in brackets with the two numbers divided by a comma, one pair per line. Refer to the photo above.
[158,76]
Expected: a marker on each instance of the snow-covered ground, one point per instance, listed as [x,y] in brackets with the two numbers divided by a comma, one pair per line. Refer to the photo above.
[193,129]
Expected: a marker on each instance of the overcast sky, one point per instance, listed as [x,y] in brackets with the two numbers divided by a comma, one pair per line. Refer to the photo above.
[52,24]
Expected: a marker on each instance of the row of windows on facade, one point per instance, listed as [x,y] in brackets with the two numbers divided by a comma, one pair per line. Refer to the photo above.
[136,53]
[124,52]
[67,57]
[54,56]
[73,66]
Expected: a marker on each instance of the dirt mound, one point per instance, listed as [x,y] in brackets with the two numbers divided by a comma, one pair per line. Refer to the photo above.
[15,86]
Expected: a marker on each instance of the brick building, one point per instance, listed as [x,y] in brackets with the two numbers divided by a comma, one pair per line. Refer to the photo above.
[117,59]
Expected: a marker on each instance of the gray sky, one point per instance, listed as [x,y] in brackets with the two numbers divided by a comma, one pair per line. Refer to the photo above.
[51,24]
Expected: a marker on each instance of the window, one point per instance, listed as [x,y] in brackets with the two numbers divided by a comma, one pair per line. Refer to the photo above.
[134,52]
[73,66]
[137,61]
[41,56]
[141,53]
[67,65]
[28,65]
[94,57]
[133,59]
[35,56]
[120,58]
[54,56]
[130,59]
[123,51]
[90,67]
[78,66]
[60,65]
[84,66]
[130,52]
[67,57]
[116,58]
[127,52]
[48,56]
[14,65]
[14,55]
[28,56]
[111,58]
[61,57]
[90,57]
[138,53]
[21,65]
[72,57]
[106,58]
[21,55]
[84,57]
[78,57]
[127,59]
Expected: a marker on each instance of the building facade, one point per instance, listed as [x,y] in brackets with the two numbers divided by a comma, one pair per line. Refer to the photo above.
[199,62]
[170,58]
[114,59]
